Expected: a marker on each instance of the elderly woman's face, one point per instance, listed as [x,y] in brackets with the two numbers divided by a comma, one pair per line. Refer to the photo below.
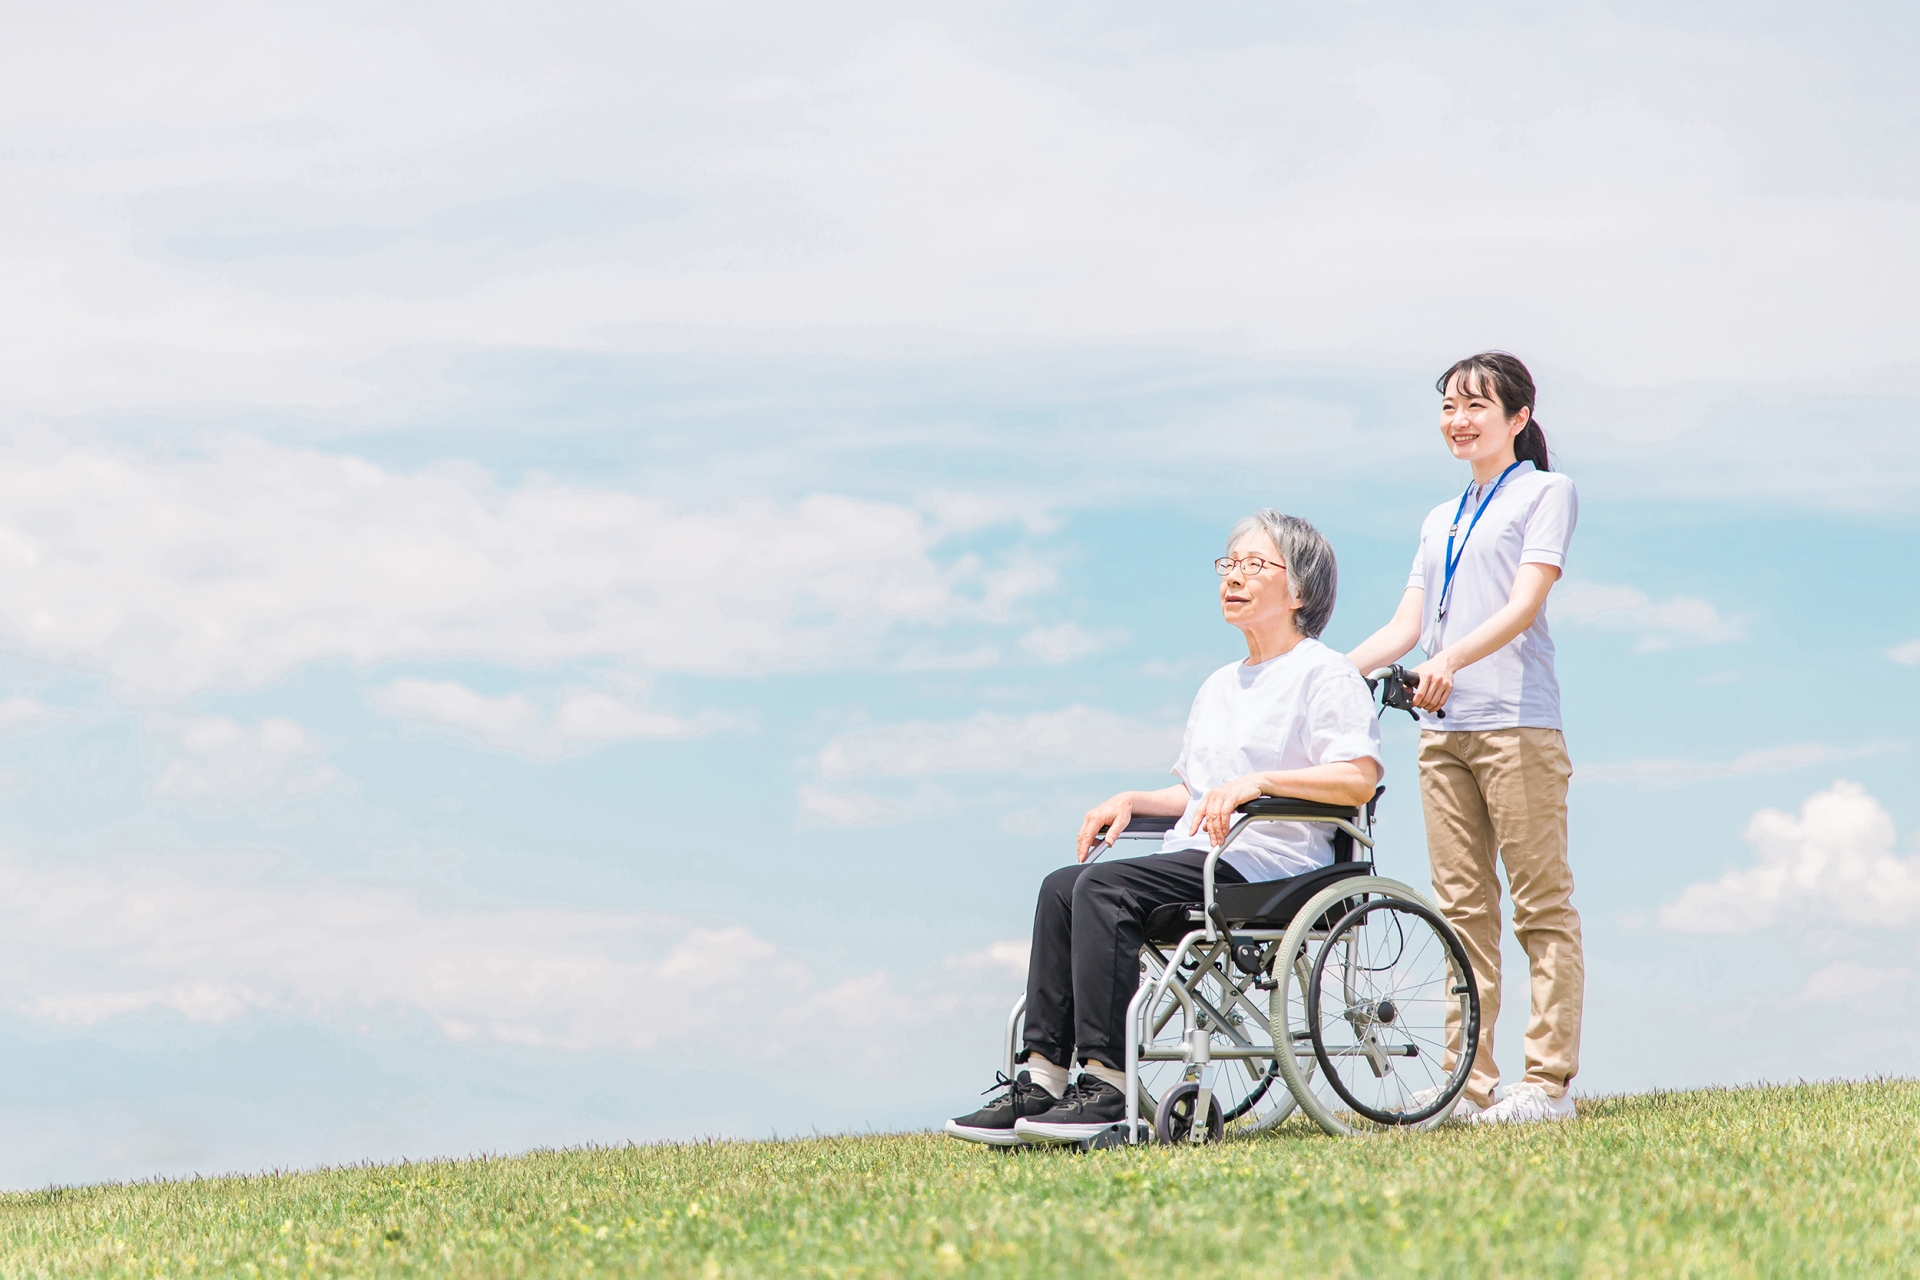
[1263,599]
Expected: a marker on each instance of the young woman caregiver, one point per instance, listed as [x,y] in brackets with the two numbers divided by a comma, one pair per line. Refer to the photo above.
[1494,768]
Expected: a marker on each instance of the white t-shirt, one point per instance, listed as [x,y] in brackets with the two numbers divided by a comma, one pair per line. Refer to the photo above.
[1529,521]
[1306,707]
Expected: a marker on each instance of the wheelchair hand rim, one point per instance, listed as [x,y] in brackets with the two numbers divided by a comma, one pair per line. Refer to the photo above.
[1470,1024]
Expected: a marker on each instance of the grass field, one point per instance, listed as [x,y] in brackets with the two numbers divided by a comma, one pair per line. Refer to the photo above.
[1808,1180]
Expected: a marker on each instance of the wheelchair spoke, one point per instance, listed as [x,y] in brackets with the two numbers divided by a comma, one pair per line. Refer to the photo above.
[1387,1013]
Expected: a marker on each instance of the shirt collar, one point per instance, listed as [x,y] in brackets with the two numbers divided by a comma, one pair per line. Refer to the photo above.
[1526,465]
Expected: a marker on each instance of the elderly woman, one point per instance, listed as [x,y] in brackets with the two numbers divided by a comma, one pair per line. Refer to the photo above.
[1294,719]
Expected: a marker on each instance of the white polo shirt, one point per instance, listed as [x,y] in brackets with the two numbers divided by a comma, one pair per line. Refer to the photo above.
[1306,707]
[1529,521]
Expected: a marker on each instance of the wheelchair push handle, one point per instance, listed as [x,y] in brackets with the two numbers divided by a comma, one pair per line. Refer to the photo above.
[1395,685]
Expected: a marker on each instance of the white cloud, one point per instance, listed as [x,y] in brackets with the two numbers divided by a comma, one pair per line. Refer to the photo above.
[221,105]
[1076,740]
[959,510]
[81,945]
[1657,624]
[851,807]
[1760,762]
[18,712]
[1064,215]
[1834,864]
[847,808]
[1866,990]
[1063,643]
[1907,655]
[583,718]
[1009,955]
[923,657]
[219,763]
[231,569]
[1031,821]
[252,206]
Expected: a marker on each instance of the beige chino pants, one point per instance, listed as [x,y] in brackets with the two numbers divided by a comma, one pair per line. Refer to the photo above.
[1504,792]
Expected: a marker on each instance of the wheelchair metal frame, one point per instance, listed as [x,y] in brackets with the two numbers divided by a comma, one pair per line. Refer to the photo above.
[1197,1049]
[1208,948]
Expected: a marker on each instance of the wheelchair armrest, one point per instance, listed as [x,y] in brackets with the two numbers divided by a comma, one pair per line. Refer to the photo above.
[1145,828]
[1283,807]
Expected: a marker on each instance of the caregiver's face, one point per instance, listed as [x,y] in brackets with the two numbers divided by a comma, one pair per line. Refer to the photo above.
[1262,598]
[1472,422]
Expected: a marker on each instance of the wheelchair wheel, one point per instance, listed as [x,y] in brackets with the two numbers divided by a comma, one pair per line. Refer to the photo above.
[1174,1120]
[1391,989]
[1378,995]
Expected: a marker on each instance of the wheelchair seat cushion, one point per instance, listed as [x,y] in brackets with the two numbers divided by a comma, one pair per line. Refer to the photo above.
[1264,904]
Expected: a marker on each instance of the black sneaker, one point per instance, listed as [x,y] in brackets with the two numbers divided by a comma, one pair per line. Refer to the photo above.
[993,1123]
[1088,1106]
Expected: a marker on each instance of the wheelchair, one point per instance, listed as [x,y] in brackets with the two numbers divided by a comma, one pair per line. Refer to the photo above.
[1346,988]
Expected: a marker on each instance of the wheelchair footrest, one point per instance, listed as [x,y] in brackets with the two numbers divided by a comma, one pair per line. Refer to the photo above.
[1115,1135]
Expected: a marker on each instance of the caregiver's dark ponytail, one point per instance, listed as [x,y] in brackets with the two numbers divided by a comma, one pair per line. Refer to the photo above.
[1503,377]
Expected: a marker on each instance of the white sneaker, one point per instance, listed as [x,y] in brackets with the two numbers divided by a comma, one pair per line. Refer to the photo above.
[1465,1109]
[1525,1103]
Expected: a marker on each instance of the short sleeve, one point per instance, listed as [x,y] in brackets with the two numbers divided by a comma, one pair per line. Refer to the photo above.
[1183,764]
[1549,530]
[1340,720]
[1418,577]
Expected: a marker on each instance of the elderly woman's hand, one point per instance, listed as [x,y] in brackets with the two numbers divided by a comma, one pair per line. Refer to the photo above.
[1218,806]
[1114,815]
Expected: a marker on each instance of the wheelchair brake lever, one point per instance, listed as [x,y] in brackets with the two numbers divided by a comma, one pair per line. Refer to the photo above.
[1412,682]
[1398,692]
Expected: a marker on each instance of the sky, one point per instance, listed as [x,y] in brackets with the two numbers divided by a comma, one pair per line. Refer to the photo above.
[565,571]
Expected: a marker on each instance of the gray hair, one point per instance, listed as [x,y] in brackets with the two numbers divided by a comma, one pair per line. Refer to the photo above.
[1309,560]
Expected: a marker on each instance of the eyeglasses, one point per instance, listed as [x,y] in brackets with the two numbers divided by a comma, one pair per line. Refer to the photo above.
[1252,564]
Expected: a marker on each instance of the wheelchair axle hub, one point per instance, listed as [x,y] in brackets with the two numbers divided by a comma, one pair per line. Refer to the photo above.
[1380,1014]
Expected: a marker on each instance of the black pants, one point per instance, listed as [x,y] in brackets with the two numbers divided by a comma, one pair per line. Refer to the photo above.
[1088,929]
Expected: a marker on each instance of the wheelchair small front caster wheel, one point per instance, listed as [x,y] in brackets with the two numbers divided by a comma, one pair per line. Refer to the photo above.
[1174,1123]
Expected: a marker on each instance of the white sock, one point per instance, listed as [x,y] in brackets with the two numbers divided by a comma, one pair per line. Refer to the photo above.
[1118,1079]
[1049,1077]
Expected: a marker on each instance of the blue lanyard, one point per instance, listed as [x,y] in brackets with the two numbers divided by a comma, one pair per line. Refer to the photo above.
[1453,561]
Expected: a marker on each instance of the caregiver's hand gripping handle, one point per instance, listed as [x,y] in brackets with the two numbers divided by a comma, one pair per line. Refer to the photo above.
[1396,686]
